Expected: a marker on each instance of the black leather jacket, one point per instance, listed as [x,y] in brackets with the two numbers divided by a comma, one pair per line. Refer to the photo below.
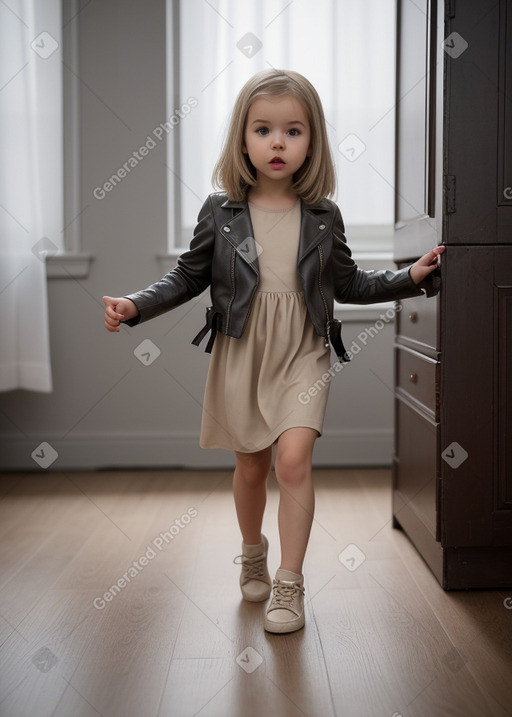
[223,256]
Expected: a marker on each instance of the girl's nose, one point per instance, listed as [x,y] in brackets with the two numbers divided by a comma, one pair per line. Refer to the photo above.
[277,140]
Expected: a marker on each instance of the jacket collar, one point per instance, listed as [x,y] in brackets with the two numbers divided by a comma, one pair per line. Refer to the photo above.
[321,206]
[237,229]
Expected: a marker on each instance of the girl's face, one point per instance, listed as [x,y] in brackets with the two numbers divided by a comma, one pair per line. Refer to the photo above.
[277,138]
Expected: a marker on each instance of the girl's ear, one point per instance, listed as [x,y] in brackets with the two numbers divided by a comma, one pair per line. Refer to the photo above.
[310,151]
[244,149]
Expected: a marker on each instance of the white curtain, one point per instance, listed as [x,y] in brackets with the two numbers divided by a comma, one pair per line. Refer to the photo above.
[31,185]
[346,48]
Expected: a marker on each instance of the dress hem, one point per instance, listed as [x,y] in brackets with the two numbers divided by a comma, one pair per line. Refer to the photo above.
[271,440]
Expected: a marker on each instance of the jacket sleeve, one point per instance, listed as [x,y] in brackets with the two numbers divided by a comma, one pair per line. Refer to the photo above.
[190,277]
[356,286]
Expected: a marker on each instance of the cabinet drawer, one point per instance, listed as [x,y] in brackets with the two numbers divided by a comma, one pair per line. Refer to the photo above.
[417,376]
[417,321]
[416,486]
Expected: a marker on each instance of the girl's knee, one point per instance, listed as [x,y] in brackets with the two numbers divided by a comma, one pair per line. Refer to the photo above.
[253,468]
[292,469]
[294,456]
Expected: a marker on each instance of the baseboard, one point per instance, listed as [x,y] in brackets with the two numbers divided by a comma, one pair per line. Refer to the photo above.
[179,451]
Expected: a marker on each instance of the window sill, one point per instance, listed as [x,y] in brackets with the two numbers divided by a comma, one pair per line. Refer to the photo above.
[68,266]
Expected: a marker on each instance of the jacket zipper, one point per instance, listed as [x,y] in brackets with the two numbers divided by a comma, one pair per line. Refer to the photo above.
[250,306]
[228,314]
[327,342]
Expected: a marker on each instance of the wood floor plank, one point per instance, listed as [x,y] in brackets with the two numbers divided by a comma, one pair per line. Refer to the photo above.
[123,670]
[412,632]
[382,661]
[23,585]
[40,655]
[108,550]
[234,693]
[478,624]
[22,515]
[193,684]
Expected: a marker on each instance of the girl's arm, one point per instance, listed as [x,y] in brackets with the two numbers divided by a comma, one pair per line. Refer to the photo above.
[353,285]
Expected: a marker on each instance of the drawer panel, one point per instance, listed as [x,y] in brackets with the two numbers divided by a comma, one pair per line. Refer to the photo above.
[416,485]
[417,376]
[417,321]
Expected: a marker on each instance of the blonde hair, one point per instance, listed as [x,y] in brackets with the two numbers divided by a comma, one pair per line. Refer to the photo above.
[234,172]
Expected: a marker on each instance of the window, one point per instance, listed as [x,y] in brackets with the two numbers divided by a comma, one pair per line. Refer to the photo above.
[31,182]
[346,48]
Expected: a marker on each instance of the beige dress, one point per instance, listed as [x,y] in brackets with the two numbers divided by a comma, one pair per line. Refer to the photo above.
[257,385]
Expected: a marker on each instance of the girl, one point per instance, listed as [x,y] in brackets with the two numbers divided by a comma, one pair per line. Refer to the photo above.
[273,252]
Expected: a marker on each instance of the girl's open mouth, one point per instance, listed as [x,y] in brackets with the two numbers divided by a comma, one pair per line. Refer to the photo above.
[277,163]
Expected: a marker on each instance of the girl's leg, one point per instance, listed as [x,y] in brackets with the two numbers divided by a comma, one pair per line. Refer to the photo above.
[295,515]
[297,498]
[250,492]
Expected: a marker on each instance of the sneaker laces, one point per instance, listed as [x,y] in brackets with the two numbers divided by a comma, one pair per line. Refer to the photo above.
[285,595]
[252,568]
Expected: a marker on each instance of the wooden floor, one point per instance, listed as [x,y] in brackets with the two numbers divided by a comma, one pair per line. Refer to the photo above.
[173,636]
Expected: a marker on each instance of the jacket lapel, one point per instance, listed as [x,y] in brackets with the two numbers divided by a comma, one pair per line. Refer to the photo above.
[312,227]
[237,229]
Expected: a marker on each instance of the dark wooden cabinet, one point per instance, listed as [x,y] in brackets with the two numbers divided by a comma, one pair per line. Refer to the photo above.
[452,472]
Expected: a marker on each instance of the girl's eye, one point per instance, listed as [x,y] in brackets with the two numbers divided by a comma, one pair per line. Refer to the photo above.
[262,131]
[294,132]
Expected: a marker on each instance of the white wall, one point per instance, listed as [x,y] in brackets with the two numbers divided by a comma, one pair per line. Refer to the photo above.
[107,408]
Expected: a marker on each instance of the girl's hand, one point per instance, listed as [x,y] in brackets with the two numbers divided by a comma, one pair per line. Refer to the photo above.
[428,262]
[118,310]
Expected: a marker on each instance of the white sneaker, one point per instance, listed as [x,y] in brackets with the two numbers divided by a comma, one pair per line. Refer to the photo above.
[286,611]
[255,582]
